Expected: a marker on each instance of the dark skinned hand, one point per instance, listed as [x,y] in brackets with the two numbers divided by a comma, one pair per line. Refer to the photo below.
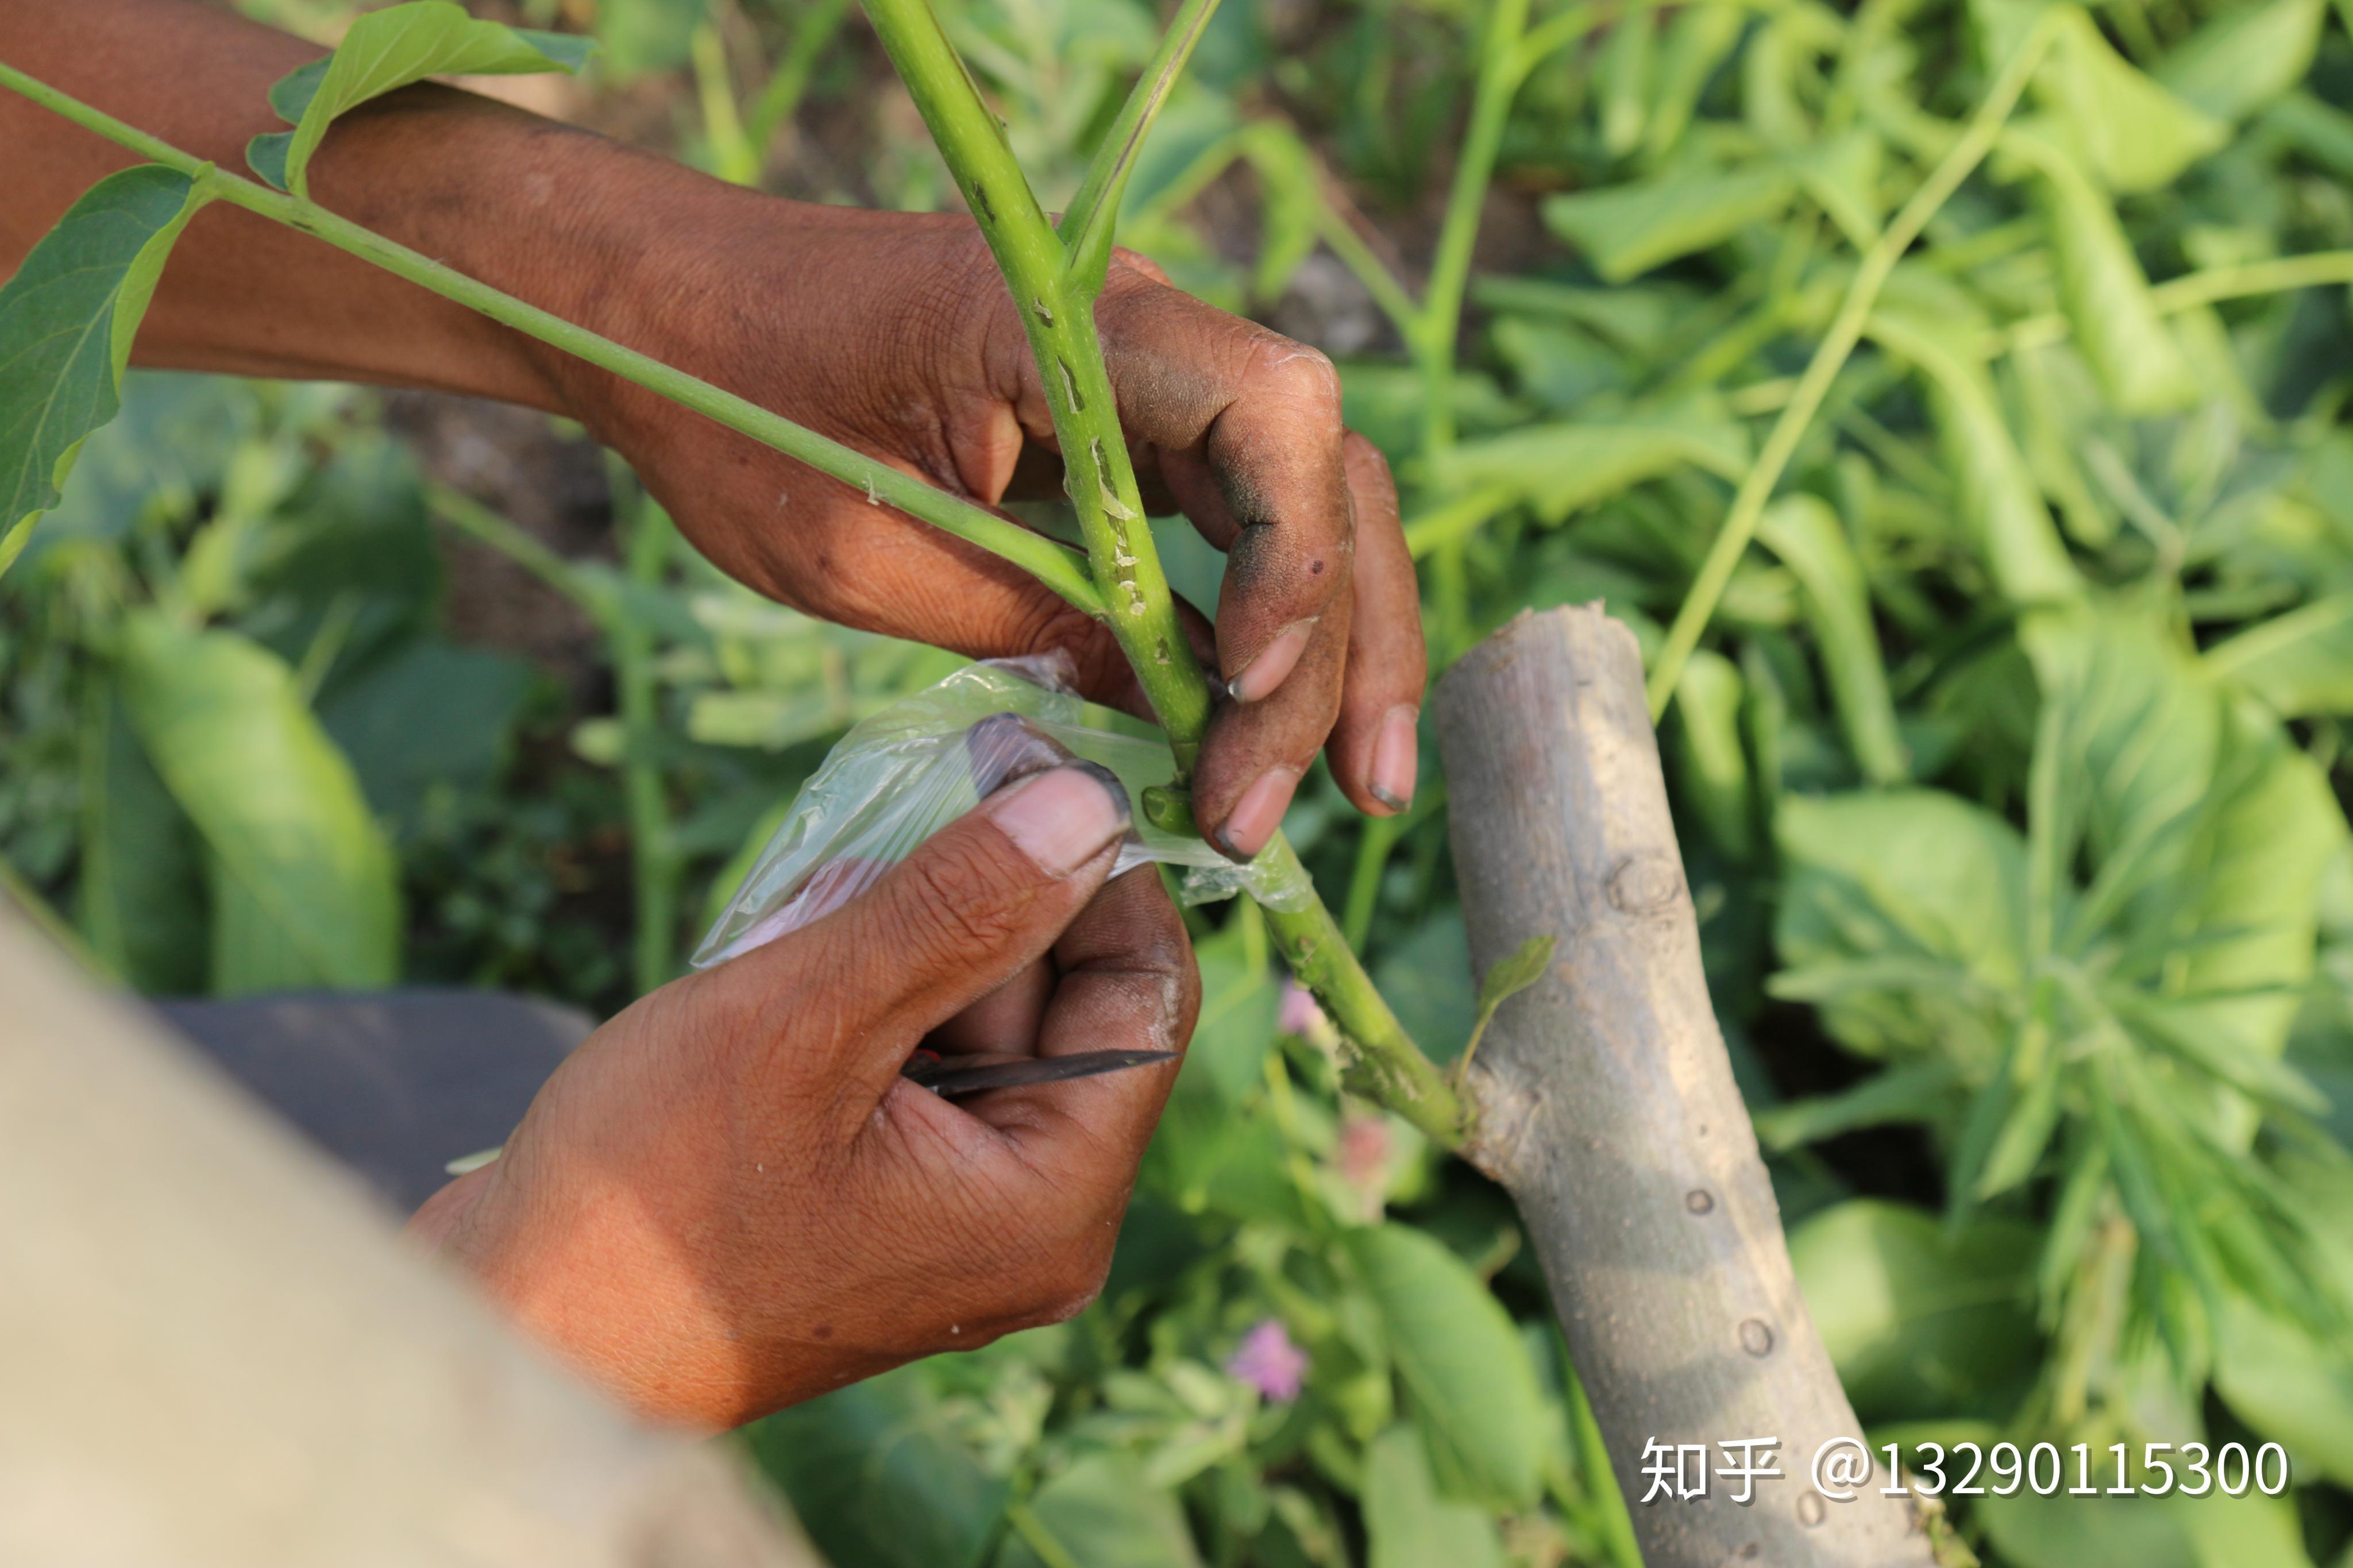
[728,1199]
[889,332]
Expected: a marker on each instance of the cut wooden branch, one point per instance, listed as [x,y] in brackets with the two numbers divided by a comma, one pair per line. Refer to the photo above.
[1607,1107]
[217,1352]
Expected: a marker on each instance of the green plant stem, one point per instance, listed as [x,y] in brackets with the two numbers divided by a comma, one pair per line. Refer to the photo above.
[788,84]
[1035,553]
[2283,275]
[1502,69]
[653,851]
[733,158]
[1389,1066]
[1060,326]
[1830,356]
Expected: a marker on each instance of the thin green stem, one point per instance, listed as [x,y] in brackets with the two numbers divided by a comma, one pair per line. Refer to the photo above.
[1040,557]
[653,853]
[1094,212]
[1373,845]
[487,528]
[788,84]
[2282,275]
[1060,325]
[1830,356]
[1390,295]
[1500,75]
[1389,1066]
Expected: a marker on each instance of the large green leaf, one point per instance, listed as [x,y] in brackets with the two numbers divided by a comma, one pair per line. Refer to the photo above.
[1463,1364]
[1809,540]
[1905,914]
[877,1477]
[305,892]
[2103,291]
[2246,56]
[1628,229]
[1563,468]
[2300,663]
[389,49]
[67,320]
[1921,1321]
[1102,1510]
[2138,134]
[2289,1385]
[142,904]
[1407,1524]
[2011,526]
[2170,1532]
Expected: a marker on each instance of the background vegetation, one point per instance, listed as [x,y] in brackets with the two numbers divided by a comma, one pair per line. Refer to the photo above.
[2008,767]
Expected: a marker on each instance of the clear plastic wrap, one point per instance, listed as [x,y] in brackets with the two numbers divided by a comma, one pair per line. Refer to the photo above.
[919,764]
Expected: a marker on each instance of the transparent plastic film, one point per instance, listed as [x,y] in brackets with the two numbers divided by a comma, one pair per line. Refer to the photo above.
[912,769]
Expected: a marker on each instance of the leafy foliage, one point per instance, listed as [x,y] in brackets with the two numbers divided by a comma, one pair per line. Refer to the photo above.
[2008,772]
[66,319]
[386,50]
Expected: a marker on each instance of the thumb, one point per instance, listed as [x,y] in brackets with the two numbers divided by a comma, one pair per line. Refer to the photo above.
[978,901]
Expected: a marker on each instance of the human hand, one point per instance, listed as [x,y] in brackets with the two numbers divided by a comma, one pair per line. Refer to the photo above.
[728,1199]
[892,333]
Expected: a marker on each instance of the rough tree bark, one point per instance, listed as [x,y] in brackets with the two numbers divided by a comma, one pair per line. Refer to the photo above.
[1608,1110]
[215,1353]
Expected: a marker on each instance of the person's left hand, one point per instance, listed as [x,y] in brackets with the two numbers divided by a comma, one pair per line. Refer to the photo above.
[729,1199]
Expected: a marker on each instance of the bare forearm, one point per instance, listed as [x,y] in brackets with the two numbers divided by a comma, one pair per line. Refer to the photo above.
[523,203]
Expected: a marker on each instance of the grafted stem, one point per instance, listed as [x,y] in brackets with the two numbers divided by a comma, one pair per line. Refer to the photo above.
[1058,317]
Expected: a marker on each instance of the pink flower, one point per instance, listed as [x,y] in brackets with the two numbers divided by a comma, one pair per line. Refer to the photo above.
[1269,1362]
[1299,1014]
[1365,1146]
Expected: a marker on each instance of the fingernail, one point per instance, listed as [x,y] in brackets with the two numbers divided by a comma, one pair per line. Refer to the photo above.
[1258,814]
[1061,818]
[1274,662]
[1396,757]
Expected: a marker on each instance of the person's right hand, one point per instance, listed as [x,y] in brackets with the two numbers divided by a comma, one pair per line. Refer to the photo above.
[728,1199]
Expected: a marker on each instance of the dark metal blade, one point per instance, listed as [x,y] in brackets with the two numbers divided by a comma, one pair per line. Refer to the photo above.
[943,1074]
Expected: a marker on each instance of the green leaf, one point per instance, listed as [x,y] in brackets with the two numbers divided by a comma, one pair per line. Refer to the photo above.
[2288,1384]
[1711,771]
[2174,1531]
[2300,663]
[877,1475]
[141,883]
[66,319]
[386,50]
[1921,1320]
[1407,1524]
[1461,1362]
[1510,976]
[431,717]
[1810,541]
[305,892]
[1086,226]
[2245,57]
[1913,875]
[2136,133]
[2103,291]
[1627,230]
[1563,469]
[1999,500]
[1102,1511]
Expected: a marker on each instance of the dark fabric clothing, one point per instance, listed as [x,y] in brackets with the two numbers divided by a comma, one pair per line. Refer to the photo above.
[394,1084]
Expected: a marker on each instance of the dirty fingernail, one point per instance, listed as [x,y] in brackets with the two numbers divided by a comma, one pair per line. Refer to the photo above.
[1258,814]
[1274,662]
[1396,757]
[1061,818]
